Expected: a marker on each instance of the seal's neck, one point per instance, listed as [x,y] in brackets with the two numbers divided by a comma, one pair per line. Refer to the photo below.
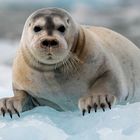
[79,43]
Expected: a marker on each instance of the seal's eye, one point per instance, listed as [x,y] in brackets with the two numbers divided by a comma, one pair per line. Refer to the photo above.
[37,29]
[61,29]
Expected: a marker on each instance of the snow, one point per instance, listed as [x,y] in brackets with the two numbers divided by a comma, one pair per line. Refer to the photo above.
[44,123]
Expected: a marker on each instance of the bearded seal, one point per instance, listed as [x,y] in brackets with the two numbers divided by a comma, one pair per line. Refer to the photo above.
[66,65]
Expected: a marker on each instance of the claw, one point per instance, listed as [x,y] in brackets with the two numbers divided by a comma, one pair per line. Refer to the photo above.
[10,113]
[103,106]
[83,112]
[17,112]
[3,112]
[95,107]
[89,108]
[109,105]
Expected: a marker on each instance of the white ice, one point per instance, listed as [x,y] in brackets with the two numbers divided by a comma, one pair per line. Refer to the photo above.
[44,123]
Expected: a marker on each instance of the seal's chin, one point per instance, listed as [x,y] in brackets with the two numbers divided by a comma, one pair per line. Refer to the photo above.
[55,59]
[51,59]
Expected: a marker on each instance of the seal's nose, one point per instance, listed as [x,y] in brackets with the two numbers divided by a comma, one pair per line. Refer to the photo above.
[50,43]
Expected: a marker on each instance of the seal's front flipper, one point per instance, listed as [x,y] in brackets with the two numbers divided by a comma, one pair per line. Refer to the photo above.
[95,102]
[101,94]
[14,105]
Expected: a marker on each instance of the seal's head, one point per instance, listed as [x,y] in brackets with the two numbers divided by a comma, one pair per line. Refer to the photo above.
[49,35]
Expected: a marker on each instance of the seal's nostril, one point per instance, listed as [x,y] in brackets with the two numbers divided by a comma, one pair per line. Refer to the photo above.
[53,43]
[45,43]
[49,43]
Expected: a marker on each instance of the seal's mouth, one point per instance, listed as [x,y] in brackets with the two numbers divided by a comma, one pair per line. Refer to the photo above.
[50,53]
[50,56]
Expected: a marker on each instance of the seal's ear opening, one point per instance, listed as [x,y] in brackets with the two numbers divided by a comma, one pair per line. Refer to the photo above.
[29,24]
[68,20]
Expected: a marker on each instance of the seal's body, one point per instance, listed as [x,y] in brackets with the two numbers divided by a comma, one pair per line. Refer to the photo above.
[65,65]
